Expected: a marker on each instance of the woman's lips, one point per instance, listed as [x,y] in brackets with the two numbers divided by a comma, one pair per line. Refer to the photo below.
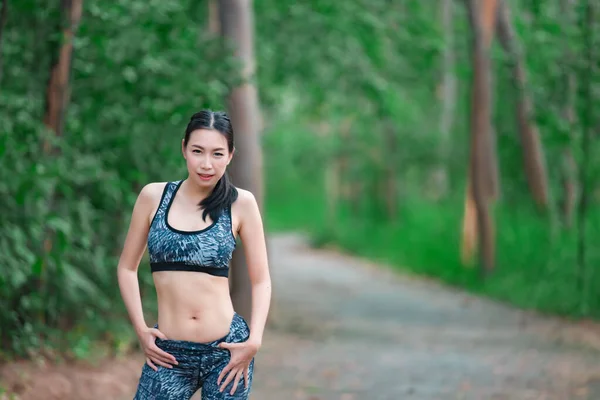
[205,177]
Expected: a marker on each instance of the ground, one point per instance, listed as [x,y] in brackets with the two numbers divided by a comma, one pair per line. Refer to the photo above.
[346,329]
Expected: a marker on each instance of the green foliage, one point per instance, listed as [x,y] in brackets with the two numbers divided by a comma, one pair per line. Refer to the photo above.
[356,79]
[340,76]
[139,70]
[393,89]
[536,269]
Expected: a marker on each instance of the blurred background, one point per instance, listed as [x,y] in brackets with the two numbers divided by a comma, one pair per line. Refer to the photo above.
[452,139]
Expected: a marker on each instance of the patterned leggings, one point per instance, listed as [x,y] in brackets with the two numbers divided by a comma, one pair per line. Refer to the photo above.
[199,366]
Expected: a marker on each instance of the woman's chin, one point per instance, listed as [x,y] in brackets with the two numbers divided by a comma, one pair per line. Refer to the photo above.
[205,182]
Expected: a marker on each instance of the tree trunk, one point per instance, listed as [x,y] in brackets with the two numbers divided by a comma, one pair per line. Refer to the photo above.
[569,166]
[588,125]
[350,186]
[57,99]
[478,189]
[533,155]
[331,179]
[439,179]
[57,96]
[3,16]
[57,92]
[214,24]
[236,22]
[332,192]
[487,19]
[390,182]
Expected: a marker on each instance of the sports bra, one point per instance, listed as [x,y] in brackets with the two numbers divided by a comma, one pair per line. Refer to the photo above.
[208,250]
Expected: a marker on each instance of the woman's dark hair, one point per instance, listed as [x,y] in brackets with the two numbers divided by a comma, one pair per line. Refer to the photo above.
[224,193]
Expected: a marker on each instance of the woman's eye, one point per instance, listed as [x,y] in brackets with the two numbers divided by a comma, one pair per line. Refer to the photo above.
[196,151]
[218,154]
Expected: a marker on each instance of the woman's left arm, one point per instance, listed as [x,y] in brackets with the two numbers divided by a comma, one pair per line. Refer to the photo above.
[252,234]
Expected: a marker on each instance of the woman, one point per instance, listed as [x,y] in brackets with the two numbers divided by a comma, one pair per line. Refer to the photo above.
[191,227]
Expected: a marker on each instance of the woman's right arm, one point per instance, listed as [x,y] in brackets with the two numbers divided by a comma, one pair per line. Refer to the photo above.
[127,270]
[133,250]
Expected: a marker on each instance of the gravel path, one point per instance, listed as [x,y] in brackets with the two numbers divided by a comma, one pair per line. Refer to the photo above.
[352,330]
[348,330]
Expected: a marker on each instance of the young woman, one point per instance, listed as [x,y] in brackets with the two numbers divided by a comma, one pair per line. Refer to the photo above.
[190,228]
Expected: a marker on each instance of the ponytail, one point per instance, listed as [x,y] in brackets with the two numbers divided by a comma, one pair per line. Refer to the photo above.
[221,198]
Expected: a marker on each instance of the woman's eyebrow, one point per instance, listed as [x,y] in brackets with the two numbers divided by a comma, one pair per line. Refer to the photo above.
[202,148]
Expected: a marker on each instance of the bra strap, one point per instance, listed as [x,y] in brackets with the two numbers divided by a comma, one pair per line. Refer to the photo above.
[165,198]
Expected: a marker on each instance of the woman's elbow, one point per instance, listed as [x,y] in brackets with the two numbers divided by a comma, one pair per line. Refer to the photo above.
[261,278]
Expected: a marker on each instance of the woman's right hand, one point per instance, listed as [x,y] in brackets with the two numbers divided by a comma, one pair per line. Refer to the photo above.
[155,355]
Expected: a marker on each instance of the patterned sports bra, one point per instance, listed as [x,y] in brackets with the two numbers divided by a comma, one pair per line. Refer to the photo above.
[208,250]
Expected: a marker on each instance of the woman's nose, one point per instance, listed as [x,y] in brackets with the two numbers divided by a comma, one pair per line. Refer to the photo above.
[205,163]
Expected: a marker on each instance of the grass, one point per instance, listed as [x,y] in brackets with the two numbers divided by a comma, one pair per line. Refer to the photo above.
[536,268]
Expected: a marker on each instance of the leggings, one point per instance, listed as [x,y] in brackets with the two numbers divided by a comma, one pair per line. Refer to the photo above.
[199,366]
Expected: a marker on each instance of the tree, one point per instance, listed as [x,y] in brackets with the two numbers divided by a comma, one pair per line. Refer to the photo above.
[533,154]
[213,18]
[588,125]
[57,95]
[480,189]
[236,20]
[569,165]
[447,94]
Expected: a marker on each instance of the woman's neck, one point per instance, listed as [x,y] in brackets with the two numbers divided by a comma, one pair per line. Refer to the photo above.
[194,192]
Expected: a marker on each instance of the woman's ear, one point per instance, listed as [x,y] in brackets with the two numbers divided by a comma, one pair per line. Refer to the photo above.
[183,147]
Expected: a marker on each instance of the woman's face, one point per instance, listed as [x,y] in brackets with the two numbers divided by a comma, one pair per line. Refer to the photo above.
[207,156]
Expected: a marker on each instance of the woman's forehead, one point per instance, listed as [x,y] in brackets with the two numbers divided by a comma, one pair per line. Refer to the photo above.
[207,138]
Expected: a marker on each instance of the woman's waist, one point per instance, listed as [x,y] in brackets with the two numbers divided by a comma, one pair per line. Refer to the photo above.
[201,320]
[239,331]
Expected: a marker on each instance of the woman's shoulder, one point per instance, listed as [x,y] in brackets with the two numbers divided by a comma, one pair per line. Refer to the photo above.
[245,202]
[244,197]
[153,191]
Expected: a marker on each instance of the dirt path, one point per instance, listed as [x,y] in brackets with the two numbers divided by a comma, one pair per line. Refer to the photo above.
[347,330]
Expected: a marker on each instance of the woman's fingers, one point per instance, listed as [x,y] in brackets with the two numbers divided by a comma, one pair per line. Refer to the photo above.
[159,334]
[151,364]
[225,370]
[163,355]
[159,358]
[162,363]
[238,377]
[232,374]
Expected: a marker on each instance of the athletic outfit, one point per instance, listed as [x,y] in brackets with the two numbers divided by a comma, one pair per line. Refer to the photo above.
[199,364]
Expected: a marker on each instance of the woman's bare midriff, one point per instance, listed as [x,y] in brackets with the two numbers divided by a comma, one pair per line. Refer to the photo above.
[193,306]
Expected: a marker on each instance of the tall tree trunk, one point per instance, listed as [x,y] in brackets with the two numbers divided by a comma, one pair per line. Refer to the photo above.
[491,169]
[449,77]
[439,179]
[479,193]
[57,99]
[236,22]
[3,17]
[533,154]
[332,193]
[588,125]
[350,186]
[57,95]
[331,172]
[214,24]
[390,180]
[569,166]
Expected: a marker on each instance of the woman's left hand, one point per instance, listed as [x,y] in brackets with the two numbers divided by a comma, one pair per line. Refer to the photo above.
[241,357]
